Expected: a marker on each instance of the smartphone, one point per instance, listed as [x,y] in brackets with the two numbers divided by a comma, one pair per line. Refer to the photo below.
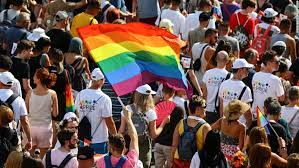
[186,61]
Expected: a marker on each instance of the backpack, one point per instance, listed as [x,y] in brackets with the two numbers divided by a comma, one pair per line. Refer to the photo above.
[241,34]
[101,15]
[260,42]
[197,62]
[62,164]
[119,164]
[84,127]
[139,121]
[7,143]
[5,25]
[9,101]
[187,146]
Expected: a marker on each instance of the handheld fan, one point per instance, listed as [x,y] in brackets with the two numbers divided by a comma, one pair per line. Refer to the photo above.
[163,109]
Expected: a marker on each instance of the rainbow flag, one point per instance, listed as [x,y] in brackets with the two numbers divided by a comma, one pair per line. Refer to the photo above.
[261,120]
[69,99]
[134,54]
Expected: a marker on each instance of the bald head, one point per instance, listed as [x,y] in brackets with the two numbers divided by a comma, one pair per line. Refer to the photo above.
[222,57]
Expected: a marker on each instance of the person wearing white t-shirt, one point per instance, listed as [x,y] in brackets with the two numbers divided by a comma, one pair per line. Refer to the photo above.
[97,106]
[290,112]
[265,84]
[192,20]
[234,88]
[18,106]
[13,12]
[175,16]
[268,20]
[211,83]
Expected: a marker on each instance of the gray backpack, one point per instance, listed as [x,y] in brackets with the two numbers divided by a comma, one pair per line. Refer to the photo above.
[139,121]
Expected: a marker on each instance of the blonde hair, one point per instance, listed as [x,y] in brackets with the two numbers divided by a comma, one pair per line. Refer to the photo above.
[143,102]
[14,160]
[6,115]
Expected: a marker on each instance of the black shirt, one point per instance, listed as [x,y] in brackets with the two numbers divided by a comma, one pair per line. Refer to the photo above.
[60,39]
[273,141]
[21,70]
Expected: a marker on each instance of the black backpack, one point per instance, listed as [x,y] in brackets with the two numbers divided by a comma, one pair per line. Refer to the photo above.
[8,140]
[84,127]
[5,25]
[197,62]
[62,164]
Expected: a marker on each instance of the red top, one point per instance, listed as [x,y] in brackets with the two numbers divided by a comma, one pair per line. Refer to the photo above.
[249,27]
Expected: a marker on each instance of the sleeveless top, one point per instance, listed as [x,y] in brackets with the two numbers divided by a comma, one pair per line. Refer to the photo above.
[40,108]
[281,37]
[198,47]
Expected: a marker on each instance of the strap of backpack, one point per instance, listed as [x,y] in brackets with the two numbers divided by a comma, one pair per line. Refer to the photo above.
[268,31]
[246,21]
[201,53]
[185,124]
[121,161]
[294,116]
[5,16]
[242,92]
[107,161]
[11,99]
[91,21]
[186,107]
[48,159]
[226,78]
[65,161]
[105,7]
[201,122]
[238,18]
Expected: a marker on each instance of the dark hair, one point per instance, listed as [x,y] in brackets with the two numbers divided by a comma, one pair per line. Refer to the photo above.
[248,3]
[266,5]
[112,15]
[260,155]
[65,135]
[212,142]
[285,24]
[24,45]
[274,108]
[85,152]
[295,147]
[177,2]
[210,32]
[283,66]
[17,2]
[57,58]
[31,162]
[117,142]
[222,46]
[293,93]
[268,56]
[41,43]
[47,79]
[204,3]
[5,62]
[268,20]
[196,102]
[223,25]
[64,123]
[278,49]
[94,4]
[168,90]
[249,54]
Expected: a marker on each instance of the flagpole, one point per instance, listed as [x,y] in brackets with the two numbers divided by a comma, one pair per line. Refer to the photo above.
[121,102]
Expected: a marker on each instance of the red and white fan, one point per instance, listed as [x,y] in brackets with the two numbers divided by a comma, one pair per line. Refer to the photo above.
[163,109]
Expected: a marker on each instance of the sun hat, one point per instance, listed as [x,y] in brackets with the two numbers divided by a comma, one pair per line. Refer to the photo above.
[97,74]
[37,34]
[145,89]
[270,13]
[7,78]
[235,109]
[241,63]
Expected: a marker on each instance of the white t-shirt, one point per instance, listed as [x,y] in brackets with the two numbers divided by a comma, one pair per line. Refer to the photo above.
[192,22]
[58,156]
[212,79]
[230,90]
[11,14]
[265,85]
[288,113]
[150,115]
[175,17]
[97,106]
[265,26]
[18,105]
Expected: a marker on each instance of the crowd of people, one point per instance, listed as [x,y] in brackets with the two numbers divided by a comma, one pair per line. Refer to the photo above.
[240,57]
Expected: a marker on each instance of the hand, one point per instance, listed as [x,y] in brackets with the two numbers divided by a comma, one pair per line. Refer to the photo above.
[166,120]
[126,113]
[28,145]
[185,13]
[281,142]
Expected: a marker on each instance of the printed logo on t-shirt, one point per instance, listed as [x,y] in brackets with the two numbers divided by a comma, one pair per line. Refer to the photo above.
[215,81]
[87,105]
[260,87]
[229,95]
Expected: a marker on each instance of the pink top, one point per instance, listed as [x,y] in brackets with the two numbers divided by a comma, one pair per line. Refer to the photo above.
[131,162]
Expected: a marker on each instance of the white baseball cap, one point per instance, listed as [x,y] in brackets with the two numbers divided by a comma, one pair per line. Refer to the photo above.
[241,63]
[145,89]
[270,13]
[7,78]
[37,34]
[97,74]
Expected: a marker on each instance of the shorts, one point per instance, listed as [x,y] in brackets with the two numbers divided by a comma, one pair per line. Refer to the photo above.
[42,136]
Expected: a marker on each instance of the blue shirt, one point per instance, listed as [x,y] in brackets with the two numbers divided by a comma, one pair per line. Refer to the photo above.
[148,8]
